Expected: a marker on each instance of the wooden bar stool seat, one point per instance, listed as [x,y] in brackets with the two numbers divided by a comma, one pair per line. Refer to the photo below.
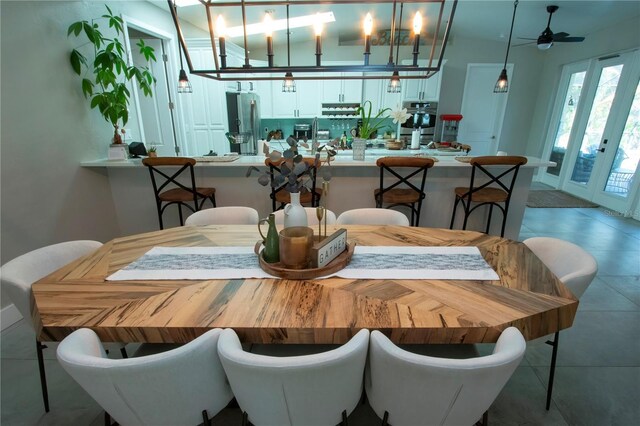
[191,197]
[306,197]
[409,195]
[504,176]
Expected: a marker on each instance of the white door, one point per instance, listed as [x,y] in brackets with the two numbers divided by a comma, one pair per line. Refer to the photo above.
[482,110]
[604,151]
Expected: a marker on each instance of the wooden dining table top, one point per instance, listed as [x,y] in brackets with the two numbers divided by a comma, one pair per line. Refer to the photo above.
[527,296]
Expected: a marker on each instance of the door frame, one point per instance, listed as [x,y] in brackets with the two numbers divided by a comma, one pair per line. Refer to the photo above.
[493,145]
[170,71]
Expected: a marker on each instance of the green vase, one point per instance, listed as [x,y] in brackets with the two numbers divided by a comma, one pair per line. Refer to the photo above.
[271,252]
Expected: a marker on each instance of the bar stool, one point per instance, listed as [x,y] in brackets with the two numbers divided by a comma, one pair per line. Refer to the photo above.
[182,195]
[403,196]
[486,195]
[280,195]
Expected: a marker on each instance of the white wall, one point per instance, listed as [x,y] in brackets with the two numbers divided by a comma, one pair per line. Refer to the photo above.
[48,128]
[625,35]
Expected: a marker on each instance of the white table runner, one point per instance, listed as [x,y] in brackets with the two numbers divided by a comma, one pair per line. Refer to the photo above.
[381,262]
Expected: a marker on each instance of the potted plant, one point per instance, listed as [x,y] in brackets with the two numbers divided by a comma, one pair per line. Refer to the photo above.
[369,125]
[152,151]
[106,74]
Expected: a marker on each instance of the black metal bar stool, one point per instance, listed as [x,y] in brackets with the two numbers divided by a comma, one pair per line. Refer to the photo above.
[485,194]
[181,195]
[412,196]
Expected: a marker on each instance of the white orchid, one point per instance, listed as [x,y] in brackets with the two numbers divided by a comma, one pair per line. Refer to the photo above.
[400,116]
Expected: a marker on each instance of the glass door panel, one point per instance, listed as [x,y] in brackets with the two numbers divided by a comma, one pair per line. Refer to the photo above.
[565,124]
[625,163]
[598,116]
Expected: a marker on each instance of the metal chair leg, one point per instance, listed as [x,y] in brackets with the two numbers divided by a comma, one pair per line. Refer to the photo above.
[489,218]
[123,352]
[43,377]
[206,421]
[107,419]
[552,371]
[344,419]
[245,418]
[453,215]
[385,419]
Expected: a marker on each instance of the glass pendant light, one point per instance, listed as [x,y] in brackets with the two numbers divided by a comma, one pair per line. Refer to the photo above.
[395,86]
[184,85]
[289,84]
[502,85]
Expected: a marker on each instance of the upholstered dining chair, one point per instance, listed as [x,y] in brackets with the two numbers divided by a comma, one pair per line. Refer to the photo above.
[183,386]
[168,189]
[492,181]
[402,191]
[574,267]
[312,218]
[310,390]
[372,217]
[224,216]
[406,389]
[18,275]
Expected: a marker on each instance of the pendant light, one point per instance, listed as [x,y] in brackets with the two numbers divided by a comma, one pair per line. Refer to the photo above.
[395,85]
[502,85]
[289,84]
[184,85]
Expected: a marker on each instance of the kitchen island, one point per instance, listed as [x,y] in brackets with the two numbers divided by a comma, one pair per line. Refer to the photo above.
[352,186]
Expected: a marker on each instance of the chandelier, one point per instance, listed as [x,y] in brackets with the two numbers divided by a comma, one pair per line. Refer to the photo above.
[402,28]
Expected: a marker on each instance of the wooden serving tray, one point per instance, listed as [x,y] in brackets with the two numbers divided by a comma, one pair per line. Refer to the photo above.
[335,265]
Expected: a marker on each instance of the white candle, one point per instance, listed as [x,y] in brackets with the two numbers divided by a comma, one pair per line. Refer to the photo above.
[415,139]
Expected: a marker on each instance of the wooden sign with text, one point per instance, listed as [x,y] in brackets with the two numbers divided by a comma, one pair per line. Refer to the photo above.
[328,249]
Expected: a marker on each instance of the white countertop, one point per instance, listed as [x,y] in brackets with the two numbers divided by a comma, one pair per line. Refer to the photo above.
[344,158]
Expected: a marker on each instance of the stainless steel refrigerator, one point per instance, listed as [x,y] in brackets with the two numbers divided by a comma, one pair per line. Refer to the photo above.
[243,111]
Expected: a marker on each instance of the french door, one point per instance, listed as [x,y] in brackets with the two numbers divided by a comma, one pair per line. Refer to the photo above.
[595,138]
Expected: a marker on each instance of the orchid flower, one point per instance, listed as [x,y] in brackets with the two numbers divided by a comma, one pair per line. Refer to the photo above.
[400,116]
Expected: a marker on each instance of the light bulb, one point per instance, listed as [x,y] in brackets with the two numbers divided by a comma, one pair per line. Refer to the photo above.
[368,24]
[318,25]
[417,23]
[268,25]
[221,28]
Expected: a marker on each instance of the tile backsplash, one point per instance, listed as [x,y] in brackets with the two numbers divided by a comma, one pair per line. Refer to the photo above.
[336,126]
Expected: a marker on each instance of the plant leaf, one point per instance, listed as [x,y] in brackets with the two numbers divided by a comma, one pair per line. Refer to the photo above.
[87,87]
[264,179]
[75,60]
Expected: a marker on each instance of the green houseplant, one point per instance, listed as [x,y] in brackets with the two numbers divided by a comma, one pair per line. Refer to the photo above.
[105,77]
[370,125]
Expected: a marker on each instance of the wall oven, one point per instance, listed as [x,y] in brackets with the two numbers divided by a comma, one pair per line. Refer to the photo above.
[423,116]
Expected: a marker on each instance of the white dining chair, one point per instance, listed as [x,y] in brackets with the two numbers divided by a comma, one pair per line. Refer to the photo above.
[574,267]
[406,389]
[18,275]
[310,390]
[372,217]
[183,386]
[312,218]
[224,216]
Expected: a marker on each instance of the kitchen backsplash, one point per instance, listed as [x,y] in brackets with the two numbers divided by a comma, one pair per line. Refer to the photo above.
[335,126]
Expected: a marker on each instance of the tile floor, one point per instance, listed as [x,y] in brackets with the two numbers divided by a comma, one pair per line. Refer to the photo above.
[597,376]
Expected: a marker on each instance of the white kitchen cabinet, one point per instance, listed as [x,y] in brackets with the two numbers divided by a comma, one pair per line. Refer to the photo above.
[263,88]
[422,89]
[376,92]
[342,90]
[303,103]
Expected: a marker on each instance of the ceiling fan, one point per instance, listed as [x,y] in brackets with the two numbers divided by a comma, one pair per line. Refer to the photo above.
[546,39]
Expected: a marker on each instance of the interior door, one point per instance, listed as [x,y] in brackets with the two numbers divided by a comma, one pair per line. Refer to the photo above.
[605,153]
[483,110]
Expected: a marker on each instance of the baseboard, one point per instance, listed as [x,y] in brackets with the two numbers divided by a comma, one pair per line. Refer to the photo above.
[9,315]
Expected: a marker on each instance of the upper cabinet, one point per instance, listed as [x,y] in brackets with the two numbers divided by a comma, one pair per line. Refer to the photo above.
[342,89]
[376,92]
[303,103]
[422,89]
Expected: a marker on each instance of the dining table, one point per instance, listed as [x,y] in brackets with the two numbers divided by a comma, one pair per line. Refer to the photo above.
[327,310]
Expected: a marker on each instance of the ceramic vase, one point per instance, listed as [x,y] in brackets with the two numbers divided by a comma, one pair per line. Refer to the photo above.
[294,213]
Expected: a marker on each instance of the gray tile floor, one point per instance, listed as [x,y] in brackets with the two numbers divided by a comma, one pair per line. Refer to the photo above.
[597,376]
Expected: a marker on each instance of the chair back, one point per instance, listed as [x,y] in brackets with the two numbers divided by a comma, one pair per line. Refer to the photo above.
[505,179]
[224,216]
[312,218]
[372,217]
[18,275]
[417,389]
[570,263]
[305,390]
[410,167]
[169,388]
[170,179]
[277,187]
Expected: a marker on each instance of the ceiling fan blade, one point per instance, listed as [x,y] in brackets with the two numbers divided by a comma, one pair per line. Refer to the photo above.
[524,44]
[526,38]
[560,35]
[569,40]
